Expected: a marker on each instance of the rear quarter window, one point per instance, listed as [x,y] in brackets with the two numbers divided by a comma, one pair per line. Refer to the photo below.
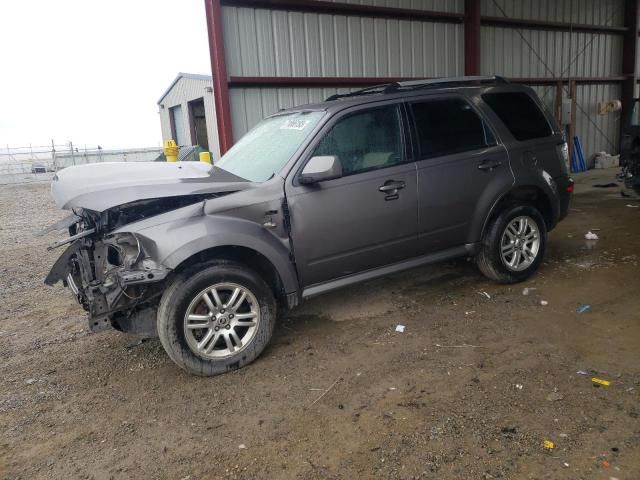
[520,114]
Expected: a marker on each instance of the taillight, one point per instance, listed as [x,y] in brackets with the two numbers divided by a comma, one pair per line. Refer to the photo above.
[570,188]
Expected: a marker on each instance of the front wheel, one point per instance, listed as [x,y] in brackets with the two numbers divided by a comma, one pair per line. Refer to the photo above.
[216,319]
[513,247]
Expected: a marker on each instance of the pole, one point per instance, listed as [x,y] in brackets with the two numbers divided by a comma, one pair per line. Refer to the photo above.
[472,37]
[219,73]
[572,125]
[53,156]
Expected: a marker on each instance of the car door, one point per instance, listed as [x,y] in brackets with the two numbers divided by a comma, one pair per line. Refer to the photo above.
[368,217]
[461,168]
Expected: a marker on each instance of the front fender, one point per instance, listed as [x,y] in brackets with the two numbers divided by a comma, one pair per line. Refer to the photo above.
[176,241]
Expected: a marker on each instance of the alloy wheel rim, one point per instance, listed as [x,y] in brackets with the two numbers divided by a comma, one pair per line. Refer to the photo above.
[221,321]
[520,243]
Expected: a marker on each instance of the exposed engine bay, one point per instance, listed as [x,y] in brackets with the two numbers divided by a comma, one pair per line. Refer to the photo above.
[112,274]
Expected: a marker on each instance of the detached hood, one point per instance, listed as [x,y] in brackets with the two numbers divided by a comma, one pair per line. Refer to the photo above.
[100,186]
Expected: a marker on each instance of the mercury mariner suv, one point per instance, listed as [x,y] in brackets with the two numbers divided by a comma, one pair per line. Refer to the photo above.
[314,198]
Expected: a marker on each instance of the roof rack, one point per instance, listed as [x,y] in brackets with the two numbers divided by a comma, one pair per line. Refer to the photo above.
[410,85]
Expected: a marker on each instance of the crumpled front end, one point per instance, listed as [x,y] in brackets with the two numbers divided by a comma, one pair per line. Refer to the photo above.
[112,276]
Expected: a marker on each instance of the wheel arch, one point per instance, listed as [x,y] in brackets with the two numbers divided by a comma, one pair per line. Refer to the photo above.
[525,194]
[243,255]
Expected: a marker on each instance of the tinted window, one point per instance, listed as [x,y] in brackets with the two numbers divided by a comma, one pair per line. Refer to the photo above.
[520,114]
[448,126]
[365,141]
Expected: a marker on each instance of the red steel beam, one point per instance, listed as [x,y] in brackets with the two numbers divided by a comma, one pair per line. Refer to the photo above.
[472,37]
[339,8]
[350,82]
[629,51]
[550,25]
[219,73]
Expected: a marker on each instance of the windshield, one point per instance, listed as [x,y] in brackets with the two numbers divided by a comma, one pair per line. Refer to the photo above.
[268,147]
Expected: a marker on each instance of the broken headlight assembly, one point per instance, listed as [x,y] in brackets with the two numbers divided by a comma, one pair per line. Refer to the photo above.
[124,261]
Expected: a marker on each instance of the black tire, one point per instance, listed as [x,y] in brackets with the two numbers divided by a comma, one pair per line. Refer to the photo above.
[185,288]
[490,260]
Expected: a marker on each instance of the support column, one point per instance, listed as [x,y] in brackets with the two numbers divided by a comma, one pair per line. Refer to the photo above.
[629,52]
[219,73]
[472,37]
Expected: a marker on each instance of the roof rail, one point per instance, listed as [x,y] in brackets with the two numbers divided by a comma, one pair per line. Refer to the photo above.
[409,85]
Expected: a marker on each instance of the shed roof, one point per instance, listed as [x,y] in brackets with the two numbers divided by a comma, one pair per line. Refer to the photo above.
[192,76]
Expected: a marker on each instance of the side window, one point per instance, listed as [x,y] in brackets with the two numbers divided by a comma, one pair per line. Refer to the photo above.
[365,141]
[448,126]
[520,114]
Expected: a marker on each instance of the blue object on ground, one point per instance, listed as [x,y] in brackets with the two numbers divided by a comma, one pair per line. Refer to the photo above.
[582,165]
[574,160]
[584,308]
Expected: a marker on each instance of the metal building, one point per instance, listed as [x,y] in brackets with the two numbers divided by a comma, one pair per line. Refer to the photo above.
[272,54]
[188,113]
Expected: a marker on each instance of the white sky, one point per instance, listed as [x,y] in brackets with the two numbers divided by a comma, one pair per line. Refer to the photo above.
[92,71]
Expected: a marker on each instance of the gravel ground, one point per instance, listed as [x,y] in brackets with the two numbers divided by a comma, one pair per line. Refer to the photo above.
[471,389]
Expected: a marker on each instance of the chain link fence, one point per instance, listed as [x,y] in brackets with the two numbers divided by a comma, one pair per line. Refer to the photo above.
[39,164]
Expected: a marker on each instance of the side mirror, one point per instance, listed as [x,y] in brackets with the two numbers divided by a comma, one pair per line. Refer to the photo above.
[321,168]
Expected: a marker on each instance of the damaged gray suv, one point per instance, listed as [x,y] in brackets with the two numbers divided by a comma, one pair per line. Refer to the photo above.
[312,199]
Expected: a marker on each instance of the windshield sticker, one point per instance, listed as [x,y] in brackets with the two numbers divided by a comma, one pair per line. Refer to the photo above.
[294,124]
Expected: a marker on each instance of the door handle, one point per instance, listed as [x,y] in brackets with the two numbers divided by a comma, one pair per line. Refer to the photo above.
[489,164]
[391,186]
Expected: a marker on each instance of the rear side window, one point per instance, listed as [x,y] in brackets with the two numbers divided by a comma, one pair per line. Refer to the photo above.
[448,126]
[520,114]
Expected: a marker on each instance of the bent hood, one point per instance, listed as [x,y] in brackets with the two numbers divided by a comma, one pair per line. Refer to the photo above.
[100,186]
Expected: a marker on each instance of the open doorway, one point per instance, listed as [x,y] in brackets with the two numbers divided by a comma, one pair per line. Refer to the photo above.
[198,124]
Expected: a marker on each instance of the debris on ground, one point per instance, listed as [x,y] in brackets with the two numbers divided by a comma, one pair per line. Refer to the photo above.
[464,345]
[544,303]
[242,446]
[30,381]
[469,312]
[585,307]
[554,396]
[632,206]
[549,445]
[400,328]
[590,236]
[527,290]
[582,372]
[519,386]
[599,381]
[485,294]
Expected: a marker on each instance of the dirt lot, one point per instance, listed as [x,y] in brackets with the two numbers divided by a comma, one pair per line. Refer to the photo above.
[471,389]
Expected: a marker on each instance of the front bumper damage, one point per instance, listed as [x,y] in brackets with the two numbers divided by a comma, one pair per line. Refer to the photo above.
[113,277]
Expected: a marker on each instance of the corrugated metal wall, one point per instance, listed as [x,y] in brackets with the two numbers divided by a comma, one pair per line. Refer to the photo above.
[262,42]
[536,53]
[593,12]
[185,90]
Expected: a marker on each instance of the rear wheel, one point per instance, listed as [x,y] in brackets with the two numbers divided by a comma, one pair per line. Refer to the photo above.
[216,319]
[514,245]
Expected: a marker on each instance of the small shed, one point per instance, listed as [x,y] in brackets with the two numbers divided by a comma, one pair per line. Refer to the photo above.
[187,113]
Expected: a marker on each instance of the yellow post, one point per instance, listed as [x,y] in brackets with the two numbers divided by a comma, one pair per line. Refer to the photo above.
[205,157]
[171,150]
